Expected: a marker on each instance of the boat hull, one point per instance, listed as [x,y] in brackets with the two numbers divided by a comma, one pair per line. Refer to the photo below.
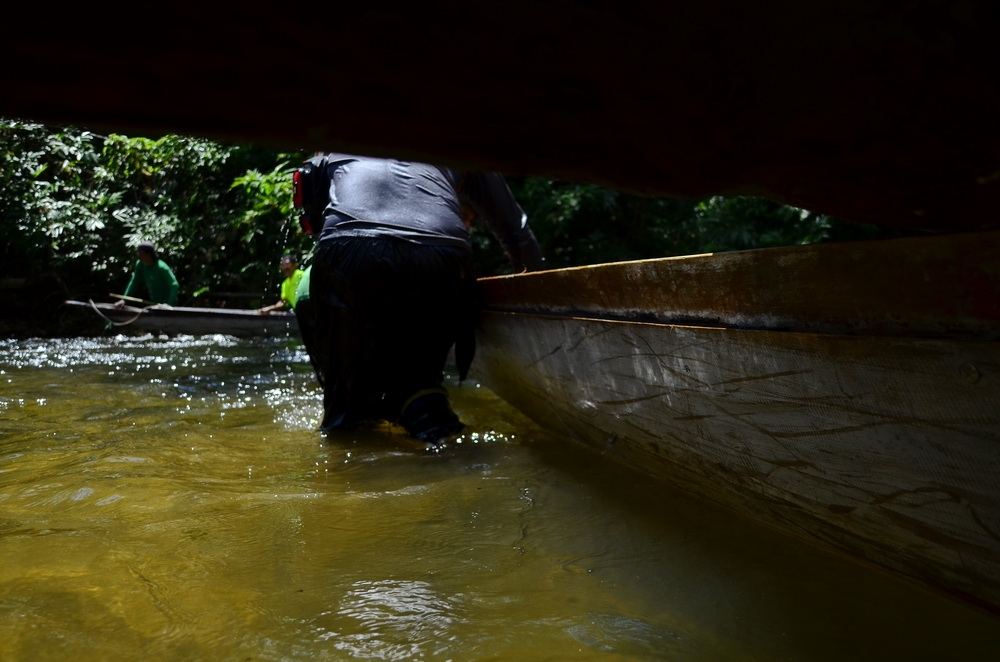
[191,321]
[886,447]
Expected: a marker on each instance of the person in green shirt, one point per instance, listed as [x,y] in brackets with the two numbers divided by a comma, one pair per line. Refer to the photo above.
[154,276]
[305,314]
[289,287]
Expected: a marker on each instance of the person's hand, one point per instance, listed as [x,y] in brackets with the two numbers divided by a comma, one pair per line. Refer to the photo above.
[120,303]
[264,311]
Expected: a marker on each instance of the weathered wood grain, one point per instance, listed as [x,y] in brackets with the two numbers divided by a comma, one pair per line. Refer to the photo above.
[886,448]
[917,287]
[848,393]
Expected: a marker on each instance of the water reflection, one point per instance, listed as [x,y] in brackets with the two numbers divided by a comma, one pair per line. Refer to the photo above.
[394,620]
[171,498]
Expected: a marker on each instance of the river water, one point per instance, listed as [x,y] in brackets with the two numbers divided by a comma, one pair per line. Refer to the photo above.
[170,499]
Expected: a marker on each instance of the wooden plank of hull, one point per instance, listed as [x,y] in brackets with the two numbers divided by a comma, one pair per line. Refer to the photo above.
[201,325]
[197,321]
[887,448]
[926,287]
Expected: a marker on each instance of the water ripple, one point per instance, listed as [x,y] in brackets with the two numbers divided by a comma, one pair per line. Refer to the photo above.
[396,619]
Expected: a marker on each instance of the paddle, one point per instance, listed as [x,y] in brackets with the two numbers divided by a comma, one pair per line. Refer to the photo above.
[130,299]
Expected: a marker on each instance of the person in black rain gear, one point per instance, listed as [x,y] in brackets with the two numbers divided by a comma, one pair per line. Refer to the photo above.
[392,285]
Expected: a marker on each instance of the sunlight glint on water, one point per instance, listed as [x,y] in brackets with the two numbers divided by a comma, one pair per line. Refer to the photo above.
[170,498]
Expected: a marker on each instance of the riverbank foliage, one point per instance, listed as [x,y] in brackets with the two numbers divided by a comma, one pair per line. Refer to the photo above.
[73,204]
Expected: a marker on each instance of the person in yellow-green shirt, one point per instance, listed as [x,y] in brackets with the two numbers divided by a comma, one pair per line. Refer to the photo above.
[289,287]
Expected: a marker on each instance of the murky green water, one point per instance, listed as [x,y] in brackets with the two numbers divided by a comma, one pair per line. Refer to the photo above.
[169,499]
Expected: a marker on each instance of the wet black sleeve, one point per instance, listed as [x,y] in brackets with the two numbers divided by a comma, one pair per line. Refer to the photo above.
[488,194]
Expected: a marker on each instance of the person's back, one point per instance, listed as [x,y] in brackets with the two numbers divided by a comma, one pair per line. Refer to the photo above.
[384,197]
[422,203]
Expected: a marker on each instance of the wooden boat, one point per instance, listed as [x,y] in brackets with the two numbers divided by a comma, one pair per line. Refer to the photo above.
[847,393]
[193,321]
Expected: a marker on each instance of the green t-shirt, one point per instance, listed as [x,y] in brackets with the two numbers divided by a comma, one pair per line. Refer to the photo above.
[302,293]
[290,286]
[158,280]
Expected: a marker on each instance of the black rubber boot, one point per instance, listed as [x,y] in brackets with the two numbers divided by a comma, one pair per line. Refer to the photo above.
[428,417]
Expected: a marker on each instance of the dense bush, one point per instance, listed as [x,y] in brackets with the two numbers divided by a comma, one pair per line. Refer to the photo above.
[73,204]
